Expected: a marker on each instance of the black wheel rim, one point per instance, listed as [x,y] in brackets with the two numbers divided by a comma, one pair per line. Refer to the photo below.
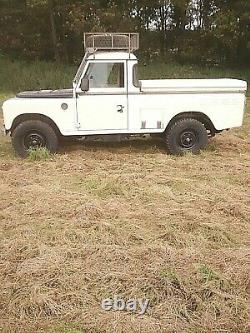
[34,140]
[188,139]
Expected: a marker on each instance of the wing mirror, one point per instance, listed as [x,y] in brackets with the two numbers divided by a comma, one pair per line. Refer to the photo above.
[85,84]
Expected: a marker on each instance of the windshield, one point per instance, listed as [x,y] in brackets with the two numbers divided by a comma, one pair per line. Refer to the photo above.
[80,70]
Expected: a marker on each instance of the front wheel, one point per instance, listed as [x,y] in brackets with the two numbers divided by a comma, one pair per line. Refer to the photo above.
[33,134]
[186,135]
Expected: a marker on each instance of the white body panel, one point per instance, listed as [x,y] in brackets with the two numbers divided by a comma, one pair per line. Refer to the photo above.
[105,116]
[106,104]
[194,85]
[147,109]
[65,120]
[224,110]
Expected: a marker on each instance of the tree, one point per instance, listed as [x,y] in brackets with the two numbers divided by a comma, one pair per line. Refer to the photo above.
[50,4]
[189,30]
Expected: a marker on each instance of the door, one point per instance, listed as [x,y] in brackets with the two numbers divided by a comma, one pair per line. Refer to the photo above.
[105,106]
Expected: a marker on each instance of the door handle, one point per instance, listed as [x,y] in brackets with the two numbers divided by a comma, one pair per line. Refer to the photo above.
[120,108]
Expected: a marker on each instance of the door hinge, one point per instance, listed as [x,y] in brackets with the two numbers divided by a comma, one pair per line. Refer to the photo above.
[78,126]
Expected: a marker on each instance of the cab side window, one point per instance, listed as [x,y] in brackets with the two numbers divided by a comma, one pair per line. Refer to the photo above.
[136,81]
[106,75]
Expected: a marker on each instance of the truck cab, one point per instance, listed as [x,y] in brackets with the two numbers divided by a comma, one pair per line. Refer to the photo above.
[107,98]
[105,83]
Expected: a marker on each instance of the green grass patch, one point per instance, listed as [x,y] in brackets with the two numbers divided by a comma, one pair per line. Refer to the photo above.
[19,75]
[39,154]
[207,273]
[177,71]
[49,75]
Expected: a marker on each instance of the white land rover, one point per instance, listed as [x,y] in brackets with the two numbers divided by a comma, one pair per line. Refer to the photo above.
[107,98]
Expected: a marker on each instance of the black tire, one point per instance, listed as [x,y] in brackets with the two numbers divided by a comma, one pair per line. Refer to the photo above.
[186,135]
[33,134]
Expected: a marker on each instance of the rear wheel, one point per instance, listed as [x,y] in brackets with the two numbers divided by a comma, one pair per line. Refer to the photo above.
[186,135]
[33,134]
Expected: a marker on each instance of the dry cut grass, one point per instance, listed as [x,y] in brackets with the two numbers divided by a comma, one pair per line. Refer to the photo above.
[103,219]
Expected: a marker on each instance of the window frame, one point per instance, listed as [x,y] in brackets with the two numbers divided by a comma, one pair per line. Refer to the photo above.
[106,90]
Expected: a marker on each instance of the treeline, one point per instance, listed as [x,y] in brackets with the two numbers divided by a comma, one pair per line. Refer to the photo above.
[200,31]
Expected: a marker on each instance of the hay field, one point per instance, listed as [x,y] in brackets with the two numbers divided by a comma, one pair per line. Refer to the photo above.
[104,219]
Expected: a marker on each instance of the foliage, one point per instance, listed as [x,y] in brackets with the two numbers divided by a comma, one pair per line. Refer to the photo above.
[210,31]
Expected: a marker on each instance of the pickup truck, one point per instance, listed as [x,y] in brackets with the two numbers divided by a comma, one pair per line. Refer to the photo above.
[108,98]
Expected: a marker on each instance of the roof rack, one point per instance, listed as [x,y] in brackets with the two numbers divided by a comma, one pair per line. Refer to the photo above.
[100,41]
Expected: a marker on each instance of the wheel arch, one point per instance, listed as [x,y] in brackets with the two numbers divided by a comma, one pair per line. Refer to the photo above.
[203,118]
[34,116]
